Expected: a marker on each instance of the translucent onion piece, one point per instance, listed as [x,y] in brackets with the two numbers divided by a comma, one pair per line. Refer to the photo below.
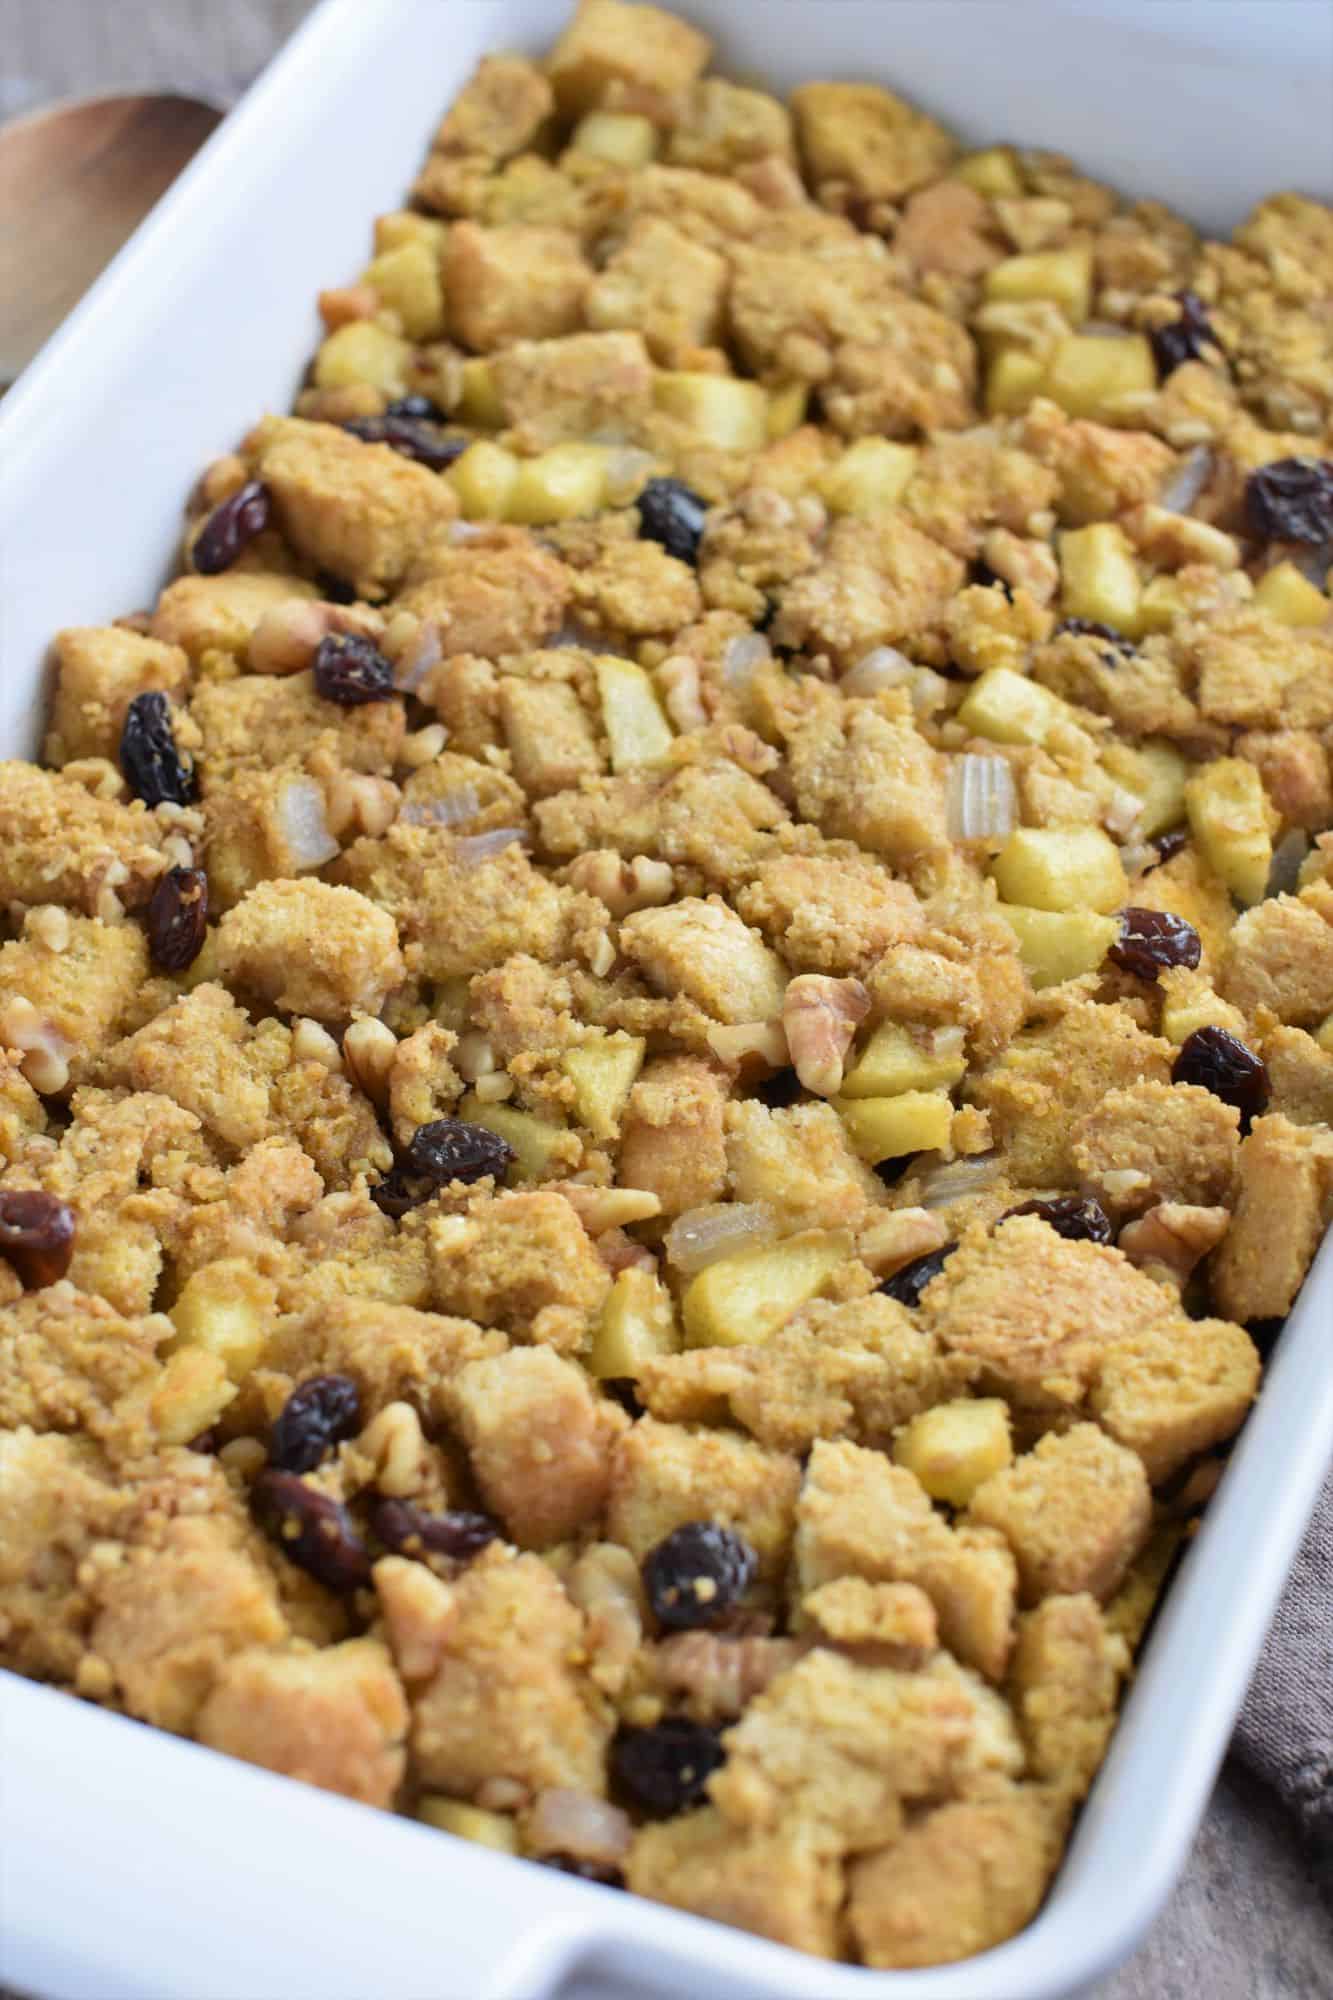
[958,1180]
[882,667]
[1188,480]
[1288,855]
[742,656]
[451,810]
[304,826]
[575,634]
[475,848]
[468,531]
[418,659]
[1122,811]
[981,799]
[720,1229]
[563,1821]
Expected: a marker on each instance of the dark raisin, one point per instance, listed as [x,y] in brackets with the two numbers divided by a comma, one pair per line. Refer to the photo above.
[1219,1061]
[153,766]
[697,1574]
[674,515]
[449,1149]
[351,670]
[311,1530]
[415,406]
[315,1417]
[767,615]
[395,1193]
[36,1236]
[664,1769]
[411,434]
[1153,941]
[230,528]
[178,919]
[1089,628]
[1291,500]
[623,1389]
[985,578]
[604,1872]
[1078,1218]
[1169,845]
[907,1284]
[780,1090]
[411,1531]
[1184,339]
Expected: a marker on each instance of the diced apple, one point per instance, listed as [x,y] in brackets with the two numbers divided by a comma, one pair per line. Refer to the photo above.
[621,138]
[954,1446]
[562,484]
[717,410]
[1061,868]
[638,1324]
[1156,771]
[888,1128]
[403,225]
[1013,378]
[638,731]
[1056,945]
[1098,577]
[483,477]
[786,409]
[1284,593]
[1090,374]
[189,1395]
[479,401]
[741,1300]
[1006,707]
[1232,821]
[992,172]
[465,1822]
[408,280]
[602,1071]
[895,1060]
[1160,605]
[535,1140]
[1189,1003]
[1063,276]
[227,1308]
[364,351]
[871,475]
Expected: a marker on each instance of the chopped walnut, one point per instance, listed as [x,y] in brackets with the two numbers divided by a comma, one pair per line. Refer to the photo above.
[820,1017]
[1169,1240]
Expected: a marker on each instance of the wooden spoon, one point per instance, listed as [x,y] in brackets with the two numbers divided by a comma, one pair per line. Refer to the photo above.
[75,180]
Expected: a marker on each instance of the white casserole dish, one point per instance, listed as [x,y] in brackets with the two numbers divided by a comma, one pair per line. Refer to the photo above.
[137,1867]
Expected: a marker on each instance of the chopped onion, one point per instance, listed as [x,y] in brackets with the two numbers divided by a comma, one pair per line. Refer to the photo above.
[981,799]
[882,667]
[746,652]
[563,1821]
[304,826]
[452,809]
[957,1180]
[468,531]
[418,659]
[720,1229]
[1122,811]
[1288,855]
[475,848]
[1188,480]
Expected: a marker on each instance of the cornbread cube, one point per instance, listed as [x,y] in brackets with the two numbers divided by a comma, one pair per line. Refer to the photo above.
[961,1879]
[782,1884]
[744,1298]
[550,740]
[522,1261]
[664,1475]
[1076,1510]
[506,595]
[521,282]
[663,284]
[310,948]
[644,51]
[1156,1142]
[833,910]
[70,1359]
[856,136]
[880,582]
[99,671]
[362,511]
[859,1515]
[719,126]
[551,390]
[259,825]
[1064,1678]
[704,951]
[336,1718]
[1279,956]
[539,1442]
[393,1352]
[204,1053]
[508,1699]
[867,775]
[1285,1178]
[1174,1387]
[208,614]
[256,721]
[57,1499]
[800,1163]
[499,112]
[61,844]
[671,1141]
[67,1007]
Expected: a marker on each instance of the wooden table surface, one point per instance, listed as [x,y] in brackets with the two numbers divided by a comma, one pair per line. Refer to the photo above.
[1248,1921]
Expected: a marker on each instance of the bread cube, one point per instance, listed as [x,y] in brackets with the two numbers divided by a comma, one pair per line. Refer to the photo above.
[664,283]
[550,740]
[1056,945]
[99,671]
[703,950]
[895,1060]
[1076,1510]
[859,136]
[1061,868]
[1098,577]
[638,731]
[1103,376]
[672,1143]
[665,1475]
[522,281]
[739,1301]
[872,474]
[1063,276]
[642,49]
[953,1447]
[719,411]
[306,947]
[407,279]
[603,1070]
[638,1324]
[1232,821]
[887,1128]
[1006,707]
[621,138]
[538,1440]
[364,351]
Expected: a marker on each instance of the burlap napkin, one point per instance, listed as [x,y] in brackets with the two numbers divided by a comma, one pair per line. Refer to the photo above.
[1285,1733]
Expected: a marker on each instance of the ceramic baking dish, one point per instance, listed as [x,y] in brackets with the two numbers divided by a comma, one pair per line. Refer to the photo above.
[137,1867]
